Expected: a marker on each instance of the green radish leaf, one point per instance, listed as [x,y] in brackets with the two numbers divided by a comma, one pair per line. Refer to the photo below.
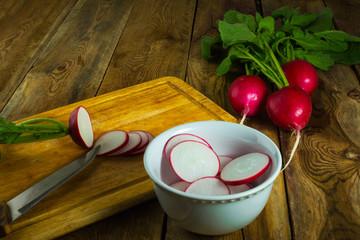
[303,19]
[224,66]
[348,57]
[232,34]
[266,25]
[206,44]
[233,17]
[318,59]
[323,21]
[337,35]
[258,17]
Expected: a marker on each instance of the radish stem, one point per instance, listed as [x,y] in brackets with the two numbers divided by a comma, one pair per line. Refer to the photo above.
[296,144]
[244,116]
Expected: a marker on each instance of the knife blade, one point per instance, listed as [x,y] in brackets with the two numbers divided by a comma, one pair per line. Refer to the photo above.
[16,207]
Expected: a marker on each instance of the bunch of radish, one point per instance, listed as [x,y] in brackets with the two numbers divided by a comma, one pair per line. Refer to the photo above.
[201,171]
[289,107]
[113,143]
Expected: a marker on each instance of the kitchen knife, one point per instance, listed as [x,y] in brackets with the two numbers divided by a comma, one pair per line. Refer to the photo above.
[16,207]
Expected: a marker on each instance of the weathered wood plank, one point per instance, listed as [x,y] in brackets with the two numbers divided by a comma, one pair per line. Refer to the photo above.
[25,28]
[324,174]
[275,214]
[154,44]
[74,62]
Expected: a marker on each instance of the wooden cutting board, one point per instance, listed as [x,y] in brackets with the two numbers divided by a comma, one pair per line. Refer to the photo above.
[107,185]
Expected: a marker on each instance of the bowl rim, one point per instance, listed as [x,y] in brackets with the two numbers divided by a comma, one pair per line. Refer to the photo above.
[231,197]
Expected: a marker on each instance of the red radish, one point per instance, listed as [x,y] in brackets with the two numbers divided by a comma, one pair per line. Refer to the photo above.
[208,186]
[112,141]
[224,160]
[247,95]
[133,143]
[290,108]
[80,127]
[302,74]
[180,138]
[239,188]
[245,169]
[181,185]
[192,160]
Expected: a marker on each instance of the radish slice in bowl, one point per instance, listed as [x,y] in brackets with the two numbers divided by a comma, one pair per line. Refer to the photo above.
[208,186]
[192,160]
[112,141]
[245,169]
[80,127]
[180,138]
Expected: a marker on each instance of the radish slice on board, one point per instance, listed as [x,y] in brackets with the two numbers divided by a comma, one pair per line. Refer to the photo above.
[133,143]
[208,186]
[180,138]
[112,141]
[192,160]
[80,127]
[245,169]
[141,149]
[224,160]
[239,188]
[181,186]
[144,138]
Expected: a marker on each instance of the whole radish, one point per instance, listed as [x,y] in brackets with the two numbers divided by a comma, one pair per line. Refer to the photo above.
[290,108]
[302,74]
[247,95]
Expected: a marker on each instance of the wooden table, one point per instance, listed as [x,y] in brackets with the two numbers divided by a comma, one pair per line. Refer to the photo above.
[53,53]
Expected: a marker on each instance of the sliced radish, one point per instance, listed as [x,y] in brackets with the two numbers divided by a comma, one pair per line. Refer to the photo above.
[180,138]
[208,186]
[133,143]
[192,160]
[224,160]
[112,141]
[181,185]
[144,138]
[80,127]
[239,188]
[245,169]
[141,149]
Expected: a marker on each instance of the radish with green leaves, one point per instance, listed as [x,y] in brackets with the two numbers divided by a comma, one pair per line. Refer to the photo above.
[302,74]
[247,95]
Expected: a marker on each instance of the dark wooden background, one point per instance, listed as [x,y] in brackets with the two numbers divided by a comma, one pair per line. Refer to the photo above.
[53,53]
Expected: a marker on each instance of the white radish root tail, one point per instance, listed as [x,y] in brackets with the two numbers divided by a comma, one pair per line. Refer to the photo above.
[296,144]
[244,116]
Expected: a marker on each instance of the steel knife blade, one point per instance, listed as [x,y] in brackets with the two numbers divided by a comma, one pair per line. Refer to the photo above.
[16,207]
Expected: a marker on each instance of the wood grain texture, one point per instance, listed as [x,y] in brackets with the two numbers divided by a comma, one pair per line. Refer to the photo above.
[155,44]
[75,59]
[26,27]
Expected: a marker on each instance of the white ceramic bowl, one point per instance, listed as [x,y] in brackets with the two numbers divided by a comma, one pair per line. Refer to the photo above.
[214,215]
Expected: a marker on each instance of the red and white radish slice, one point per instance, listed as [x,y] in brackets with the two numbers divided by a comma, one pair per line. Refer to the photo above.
[141,149]
[180,138]
[239,188]
[224,160]
[80,127]
[133,143]
[208,186]
[144,138]
[181,185]
[112,141]
[245,169]
[192,160]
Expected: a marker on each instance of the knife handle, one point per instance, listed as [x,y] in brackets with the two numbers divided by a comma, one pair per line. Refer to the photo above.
[5,219]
